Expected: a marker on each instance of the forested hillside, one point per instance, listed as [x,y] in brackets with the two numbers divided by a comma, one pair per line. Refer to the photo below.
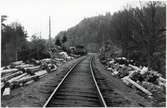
[90,32]
[140,33]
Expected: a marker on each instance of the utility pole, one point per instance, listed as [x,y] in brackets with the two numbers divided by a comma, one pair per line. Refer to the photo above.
[49,33]
[50,43]
[40,35]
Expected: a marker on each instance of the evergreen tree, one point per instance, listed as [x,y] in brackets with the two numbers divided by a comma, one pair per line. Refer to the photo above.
[64,38]
[58,43]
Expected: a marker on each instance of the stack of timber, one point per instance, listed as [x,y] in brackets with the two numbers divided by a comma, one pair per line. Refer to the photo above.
[146,80]
[18,73]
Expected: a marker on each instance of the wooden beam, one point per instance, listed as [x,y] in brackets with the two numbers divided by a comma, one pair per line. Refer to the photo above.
[8,71]
[6,78]
[138,86]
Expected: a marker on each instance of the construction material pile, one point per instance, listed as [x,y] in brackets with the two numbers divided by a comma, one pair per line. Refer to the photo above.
[139,77]
[19,73]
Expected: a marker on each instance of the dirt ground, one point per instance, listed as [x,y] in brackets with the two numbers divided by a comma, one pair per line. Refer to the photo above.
[36,93]
[115,92]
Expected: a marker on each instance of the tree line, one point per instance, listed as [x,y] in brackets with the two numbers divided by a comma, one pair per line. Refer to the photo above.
[136,33]
[140,33]
[15,46]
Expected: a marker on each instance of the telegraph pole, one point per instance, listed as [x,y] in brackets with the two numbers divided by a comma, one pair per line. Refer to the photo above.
[40,35]
[50,43]
[49,33]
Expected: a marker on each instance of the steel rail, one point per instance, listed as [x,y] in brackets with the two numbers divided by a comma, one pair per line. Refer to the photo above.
[98,89]
[55,90]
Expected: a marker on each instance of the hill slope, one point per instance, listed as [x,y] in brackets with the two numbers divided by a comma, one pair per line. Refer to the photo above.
[89,32]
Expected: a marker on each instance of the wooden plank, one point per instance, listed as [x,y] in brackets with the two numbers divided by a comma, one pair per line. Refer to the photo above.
[33,67]
[8,71]
[26,76]
[134,67]
[41,72]
[6,78]
[162,79]
[138,86]
[24,66]
[24,80]
[18,77]
[17,63]
[2,84]
[6,91]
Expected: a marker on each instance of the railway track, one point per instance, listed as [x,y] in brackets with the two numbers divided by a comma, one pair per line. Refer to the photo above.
[78,88]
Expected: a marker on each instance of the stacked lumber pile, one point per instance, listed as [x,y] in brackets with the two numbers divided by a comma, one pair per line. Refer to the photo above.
[141,78]
[18,73]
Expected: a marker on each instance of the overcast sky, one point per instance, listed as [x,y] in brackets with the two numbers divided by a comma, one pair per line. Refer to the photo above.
[34,14]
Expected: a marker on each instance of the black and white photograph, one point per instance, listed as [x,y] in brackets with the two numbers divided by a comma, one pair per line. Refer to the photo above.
[83,53]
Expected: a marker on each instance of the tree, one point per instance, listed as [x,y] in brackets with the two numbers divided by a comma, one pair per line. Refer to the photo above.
[39,48]
[150,20]
[58,43]
[64,39]
[13,37]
